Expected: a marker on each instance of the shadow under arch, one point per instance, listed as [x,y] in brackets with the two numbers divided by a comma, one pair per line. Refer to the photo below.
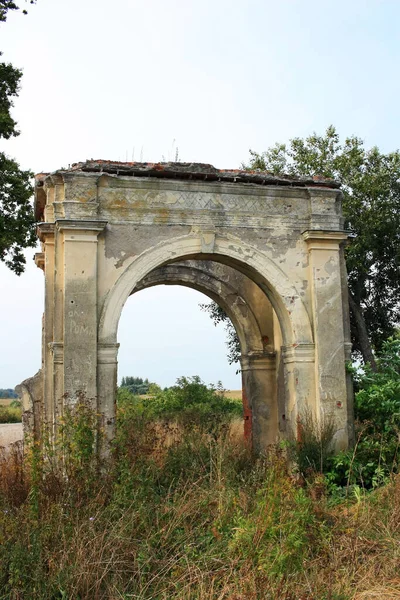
[284,297]
[239,311]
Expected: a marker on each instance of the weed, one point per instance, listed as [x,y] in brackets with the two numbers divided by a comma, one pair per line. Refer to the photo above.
[182,511]
[11,414]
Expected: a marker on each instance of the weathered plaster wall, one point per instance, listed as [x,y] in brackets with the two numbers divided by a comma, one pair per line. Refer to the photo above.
[272,242]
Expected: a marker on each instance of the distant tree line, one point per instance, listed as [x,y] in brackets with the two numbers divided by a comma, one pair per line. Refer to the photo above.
[136,385]
[8,393]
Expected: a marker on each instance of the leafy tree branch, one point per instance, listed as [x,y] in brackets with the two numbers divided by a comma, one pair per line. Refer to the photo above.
[16,214]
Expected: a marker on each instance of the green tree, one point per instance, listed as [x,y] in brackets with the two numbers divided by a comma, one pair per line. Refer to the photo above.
[8,393]
[136,385]
[218,315]
[6,5]
[16,214]
[377,411]
[371,207]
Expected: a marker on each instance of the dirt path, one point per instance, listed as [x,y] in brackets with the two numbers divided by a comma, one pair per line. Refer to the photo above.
[10,433]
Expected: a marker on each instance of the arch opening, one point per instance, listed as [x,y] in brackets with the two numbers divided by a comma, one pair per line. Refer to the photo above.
[292,315]
[179,341]
[254,321]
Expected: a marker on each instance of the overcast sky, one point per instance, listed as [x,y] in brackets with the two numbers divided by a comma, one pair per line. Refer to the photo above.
[134,80]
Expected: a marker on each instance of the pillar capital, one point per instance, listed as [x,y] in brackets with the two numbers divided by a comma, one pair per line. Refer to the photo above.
[324,240]
[107,353]
[45,231]
[298,353]
[39,260]
[80,231]
[78,224]
[262,361]
[57,349]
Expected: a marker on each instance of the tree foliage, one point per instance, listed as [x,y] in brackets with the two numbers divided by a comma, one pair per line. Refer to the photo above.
[16,214]
[376,455]
[8,393]
[6,5]
[136,385]
[371,207]
[189,402]
[218,315]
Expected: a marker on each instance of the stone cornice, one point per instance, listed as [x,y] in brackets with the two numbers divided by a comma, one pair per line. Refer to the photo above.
[80,225]
[193,171]
[261,361]
[39,260]
[45,230]
[298,353]
[324,239]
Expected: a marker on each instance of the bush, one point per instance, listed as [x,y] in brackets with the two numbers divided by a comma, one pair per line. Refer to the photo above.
[136,385]
[200,519]
[11,414]
[313,449]
[189,402]
[376,453]
[377,411]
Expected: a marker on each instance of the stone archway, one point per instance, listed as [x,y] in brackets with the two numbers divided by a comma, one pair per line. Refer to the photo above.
[109,226]
[259,336]
[214,280]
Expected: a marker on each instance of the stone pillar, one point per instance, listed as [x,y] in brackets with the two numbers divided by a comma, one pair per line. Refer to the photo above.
[57,350]
[80,308]
[57,345]
[347,347]
[247,415]
[259,382]
[299,386]
[46,235]
[107,366]
[328,320]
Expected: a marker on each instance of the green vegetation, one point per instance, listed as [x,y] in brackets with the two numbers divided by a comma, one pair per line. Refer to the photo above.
[371,207]
[377,409]
[375,457]
[16,214]
[190,401]
[8,393]
[11,413]
[183,510]
[136,385]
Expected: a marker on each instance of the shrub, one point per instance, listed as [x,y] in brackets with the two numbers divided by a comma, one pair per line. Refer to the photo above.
[203,519]
[10,414]
[136,385]
[189,403]
[312,450]
[377,411]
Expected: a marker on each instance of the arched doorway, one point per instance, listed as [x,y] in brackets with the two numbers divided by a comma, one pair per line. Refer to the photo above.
[110,227]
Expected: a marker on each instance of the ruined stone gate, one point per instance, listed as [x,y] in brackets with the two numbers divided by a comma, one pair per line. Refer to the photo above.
[267,249]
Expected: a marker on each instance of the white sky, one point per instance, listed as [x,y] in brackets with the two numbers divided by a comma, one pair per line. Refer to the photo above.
[135,79]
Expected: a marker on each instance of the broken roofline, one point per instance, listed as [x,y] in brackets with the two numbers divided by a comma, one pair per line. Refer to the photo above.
[194,171]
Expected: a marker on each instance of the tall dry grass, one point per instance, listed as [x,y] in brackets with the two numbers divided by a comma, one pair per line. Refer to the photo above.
[198,519]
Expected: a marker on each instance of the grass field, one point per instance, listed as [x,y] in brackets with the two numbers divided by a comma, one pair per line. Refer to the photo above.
[10,413]
[6,401]
[233,394]
[201,519]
